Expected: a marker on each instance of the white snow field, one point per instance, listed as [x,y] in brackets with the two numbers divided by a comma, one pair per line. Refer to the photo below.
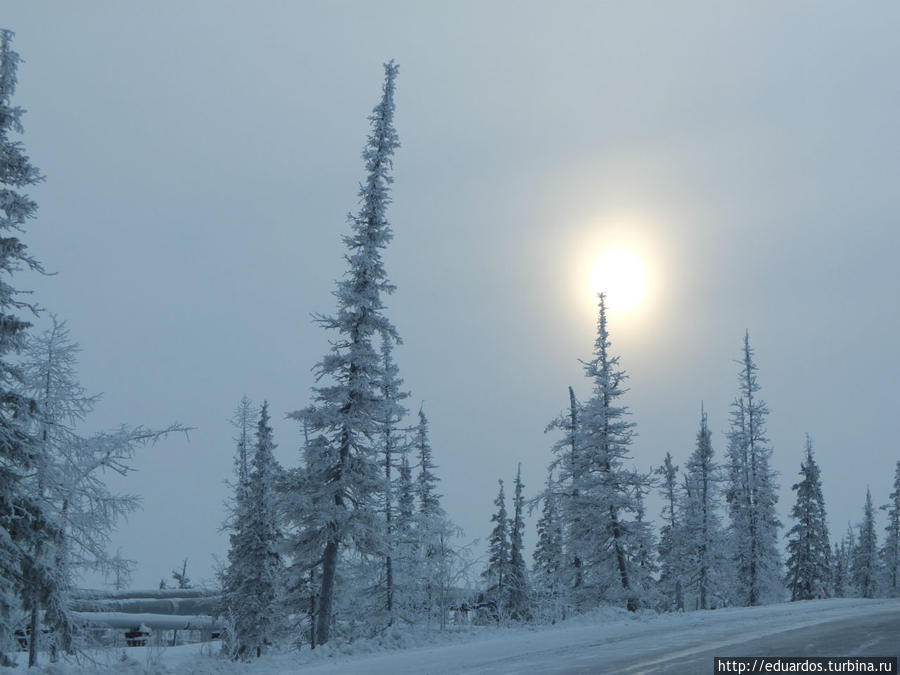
[586,644]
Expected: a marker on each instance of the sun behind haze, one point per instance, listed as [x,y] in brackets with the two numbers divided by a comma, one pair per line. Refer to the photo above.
[620,274]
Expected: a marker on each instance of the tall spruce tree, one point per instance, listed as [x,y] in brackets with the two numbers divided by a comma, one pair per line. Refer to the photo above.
[890,552]
[497,573]
[603,536]
[518,595]
[23,523]
[346,408]
[254,571]
[864,564]
[751,493]
[809,550]
[55,511]
[703,537]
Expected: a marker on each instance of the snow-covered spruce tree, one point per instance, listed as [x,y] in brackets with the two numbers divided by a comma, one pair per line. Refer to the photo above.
[254,565]
[645,568]
[518,600]
[304,510]
[237,505]
[449,565]
[839,574]
[603,536]
[433,530]
[864,568]
[22,522]
[497,573]
[890,552]
[346,408]
[406,498]
[703,543]
[752,494]
[242,421]
[406,559]
[49,519]
[391,439]
[842,566]
[671,582]
[809,550]
[549,556]
[565,462]
[426,480]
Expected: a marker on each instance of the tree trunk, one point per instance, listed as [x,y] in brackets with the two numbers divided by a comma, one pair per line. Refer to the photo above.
[704,562]
[390,589]
[752,496]
[312,609]
[388,498]
[35,595]
[329,565]
[573,417]
[34,626]
[631,601]
[703,602]
[329,561]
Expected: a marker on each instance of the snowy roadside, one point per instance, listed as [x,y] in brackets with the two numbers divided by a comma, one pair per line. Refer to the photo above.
[613,632]
[620,636]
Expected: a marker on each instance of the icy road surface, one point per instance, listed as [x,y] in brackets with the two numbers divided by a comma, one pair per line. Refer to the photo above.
[873,635]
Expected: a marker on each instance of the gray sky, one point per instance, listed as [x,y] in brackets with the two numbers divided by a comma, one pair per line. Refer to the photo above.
[201,158]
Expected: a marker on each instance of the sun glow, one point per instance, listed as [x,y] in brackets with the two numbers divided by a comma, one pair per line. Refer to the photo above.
[620,274]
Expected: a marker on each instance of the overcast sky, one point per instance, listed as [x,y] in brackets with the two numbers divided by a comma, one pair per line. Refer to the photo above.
[201,158]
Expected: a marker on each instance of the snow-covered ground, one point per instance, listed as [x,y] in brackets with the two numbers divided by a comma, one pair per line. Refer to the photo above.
[611,634]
